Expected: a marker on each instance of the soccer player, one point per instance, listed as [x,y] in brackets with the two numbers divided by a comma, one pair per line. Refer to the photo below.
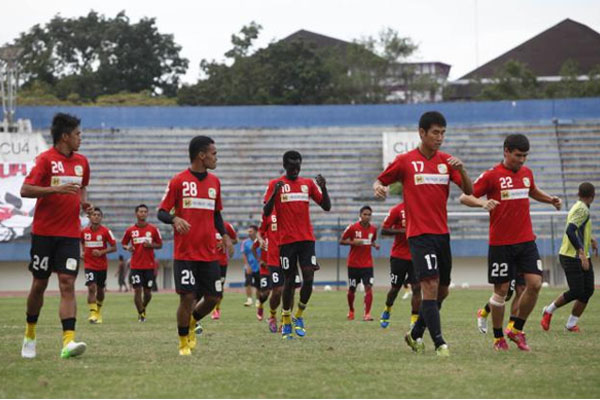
[223,261]
[141,239]
[516,287]
[574,256]
[261,253]
[121,273]
[425,174]
[98,241]
[361,236]
[289,196]
[512,249]
[195,196]
[251,266]
[58,181]
[402,270]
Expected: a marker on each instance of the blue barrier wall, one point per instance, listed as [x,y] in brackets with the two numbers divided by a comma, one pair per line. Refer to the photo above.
[531,111]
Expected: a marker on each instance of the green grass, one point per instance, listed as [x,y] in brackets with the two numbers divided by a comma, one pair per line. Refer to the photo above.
[237,357]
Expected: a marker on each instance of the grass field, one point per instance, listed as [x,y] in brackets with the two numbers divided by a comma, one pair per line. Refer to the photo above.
[237,357]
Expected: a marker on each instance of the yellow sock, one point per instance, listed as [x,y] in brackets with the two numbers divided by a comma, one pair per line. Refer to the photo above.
[286,316]
[218,306]
[99,305]
[183,341]
[388,308]
[68,336]
[496,340]
[414,318]
[300,310]
[273,313]
[484,313]
[93,307]
[511,326]
[30,330]
[192,322]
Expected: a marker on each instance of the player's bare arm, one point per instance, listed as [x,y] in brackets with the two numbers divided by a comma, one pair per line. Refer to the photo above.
[543,197]
[392,231]
[472,201]
[181,225]
[375,244]
[595,247]
[228,245]
[268,208]
[100,253]
[466,184]
[326,202]
[86,206]
[380,190]
[33,191]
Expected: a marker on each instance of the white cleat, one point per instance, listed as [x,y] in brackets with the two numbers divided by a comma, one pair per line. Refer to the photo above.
[406,295]
[481,322]
[73,349]
[28,349]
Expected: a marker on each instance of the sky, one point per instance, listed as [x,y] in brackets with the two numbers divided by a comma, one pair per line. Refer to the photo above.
[462,33]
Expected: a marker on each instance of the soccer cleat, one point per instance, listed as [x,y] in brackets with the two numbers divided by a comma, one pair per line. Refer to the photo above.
[442,351]
[546,318]
[99,319]
[257,303]
[481,321]
[416,345]
[28,349]
[260,314]
[248,302]
[299,326]
[500,344]
[367,317]
[350,315]
[384,321]
[573,329]
[286,331]
[73,349]
[406,295]
[519,339]
[185,351]
[273,324]
[192,342]
[216,314]
[93,318]
[198,328]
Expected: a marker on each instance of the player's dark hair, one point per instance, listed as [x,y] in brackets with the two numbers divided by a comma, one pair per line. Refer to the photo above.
[141,206]
[199,144]
[586,189]
[363,208]
[255,227]
[516,141]
[291,155]
[63,123]
[431,118]
[99,210]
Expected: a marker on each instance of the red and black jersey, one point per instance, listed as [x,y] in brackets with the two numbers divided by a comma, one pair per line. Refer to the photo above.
[223,256]
[268,231]
[426,186]
[99,239]
[360,256]
[195,201]
[58,214]
[396,219]
[510,221]
[292,208]
[142,257]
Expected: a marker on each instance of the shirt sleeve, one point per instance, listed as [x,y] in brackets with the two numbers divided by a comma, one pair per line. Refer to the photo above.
[391,219]
[39,173]
[109,237]
[394,172]
[481,186]
[269,191]
[231,231]
[374,233]
[532,182]
[82,237]
[218,203]
[126,238]
[315,192]
[86,174]
[169,199]
[455,176]
[348,233]
[156,237]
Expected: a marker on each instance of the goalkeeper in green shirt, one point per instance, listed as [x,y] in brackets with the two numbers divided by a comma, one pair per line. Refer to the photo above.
[575,258]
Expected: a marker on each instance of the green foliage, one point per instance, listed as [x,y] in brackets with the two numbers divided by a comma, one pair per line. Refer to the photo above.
[143,98]
[94,55]
[513,81]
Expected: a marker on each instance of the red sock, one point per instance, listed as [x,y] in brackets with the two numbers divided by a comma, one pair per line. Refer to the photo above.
[351,300]
[368,301]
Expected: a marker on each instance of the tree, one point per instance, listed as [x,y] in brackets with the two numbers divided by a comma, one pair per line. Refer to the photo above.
[513,81]
[94,55]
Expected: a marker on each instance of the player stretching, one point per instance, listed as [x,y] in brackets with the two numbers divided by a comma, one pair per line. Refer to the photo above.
[141,239]
[195,197]
[402,270]
[58,181]
[98,241]
[516,287]
[289,196]
[425,173]
[574,256]
[360,236]
[512,248]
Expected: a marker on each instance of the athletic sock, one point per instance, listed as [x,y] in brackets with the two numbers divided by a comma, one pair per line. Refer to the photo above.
[350,297]
[431,314]
[273,313]
[368,301]
[300,310]
[68,325]
[485,311]
[510,324]
[388,308]
[572,321]
[498,334]
[195,317]
[419,328]
[183,332]
[518,325]
[218,306]
[286,317]
[30,326]
[93,308]
[413,318]
[551,308]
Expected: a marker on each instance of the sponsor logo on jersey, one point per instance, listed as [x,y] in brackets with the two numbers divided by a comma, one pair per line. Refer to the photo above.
[78,170]
[526,182]
[442,168]
[304,188]
[289,197]
[199,204]
[94,244]
[514,194]
[98,237]
[142,240]
[212,193]
[63,180]
[432,179]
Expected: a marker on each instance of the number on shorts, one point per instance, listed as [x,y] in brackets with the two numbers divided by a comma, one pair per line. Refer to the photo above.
[275,277]
[89,276]
[187,278]
[285,262]
[135,279]
[394,278]
[431,261]
[263,282]
[499,270]
[40,264]
[352,282]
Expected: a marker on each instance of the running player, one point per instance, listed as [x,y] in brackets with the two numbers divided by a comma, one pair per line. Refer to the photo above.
[402,270]
[425,174]
[296,238]
[195,196]
[574,256]
[223,261]
[97,241]
[141,239]
[251,266]
[512,249]
[360,236]
[58,181]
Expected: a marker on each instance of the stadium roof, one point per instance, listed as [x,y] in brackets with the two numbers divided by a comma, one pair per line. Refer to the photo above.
[545,53]
[318,39]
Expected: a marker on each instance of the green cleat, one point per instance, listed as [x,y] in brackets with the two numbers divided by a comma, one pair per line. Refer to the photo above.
[73,349]
[443,351]
[416,345]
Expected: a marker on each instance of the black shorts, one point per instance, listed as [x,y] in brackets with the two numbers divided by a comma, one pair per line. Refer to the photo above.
[94,276]
[431,257]
[141,278]
[357,275]
[200,277]
[265,282]
[508,262]
[53,254]
[276,277]
[223,272]
[401,271]
[252,279]
[296,254]
[579,281]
